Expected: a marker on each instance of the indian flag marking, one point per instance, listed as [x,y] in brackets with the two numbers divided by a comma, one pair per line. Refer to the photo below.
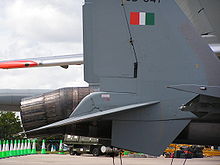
[150,19]
[134,18]
[142,18]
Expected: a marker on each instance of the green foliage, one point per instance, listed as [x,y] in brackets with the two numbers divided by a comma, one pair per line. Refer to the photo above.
[10,125]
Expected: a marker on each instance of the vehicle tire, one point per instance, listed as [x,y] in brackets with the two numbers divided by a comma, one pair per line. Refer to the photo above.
[72,152]
[78,153]
[95,152]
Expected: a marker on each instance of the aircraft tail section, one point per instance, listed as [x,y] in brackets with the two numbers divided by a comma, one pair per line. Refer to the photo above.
[141,48]
[148,40]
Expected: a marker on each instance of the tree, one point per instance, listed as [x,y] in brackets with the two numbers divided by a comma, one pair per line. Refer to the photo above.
[10,125]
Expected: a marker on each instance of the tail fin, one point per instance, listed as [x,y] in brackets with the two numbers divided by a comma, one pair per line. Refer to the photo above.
[141,47]
[156,35]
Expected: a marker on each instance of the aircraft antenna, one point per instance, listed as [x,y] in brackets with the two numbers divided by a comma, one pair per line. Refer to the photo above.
[131,40]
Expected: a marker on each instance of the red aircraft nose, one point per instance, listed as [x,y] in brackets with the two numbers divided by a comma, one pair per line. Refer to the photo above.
[17,64]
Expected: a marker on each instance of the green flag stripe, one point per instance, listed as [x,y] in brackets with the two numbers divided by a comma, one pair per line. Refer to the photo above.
[150,19]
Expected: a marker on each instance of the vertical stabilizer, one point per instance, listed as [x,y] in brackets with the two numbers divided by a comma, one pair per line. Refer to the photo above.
[125,37]
[141,47]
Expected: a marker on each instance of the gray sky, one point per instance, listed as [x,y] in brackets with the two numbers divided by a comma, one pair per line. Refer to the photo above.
[40,28]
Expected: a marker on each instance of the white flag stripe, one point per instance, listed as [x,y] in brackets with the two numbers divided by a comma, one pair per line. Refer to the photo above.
[142,18]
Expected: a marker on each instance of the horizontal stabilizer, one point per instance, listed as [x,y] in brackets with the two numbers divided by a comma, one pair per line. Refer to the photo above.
[72,120]
[213,91]
[63,61]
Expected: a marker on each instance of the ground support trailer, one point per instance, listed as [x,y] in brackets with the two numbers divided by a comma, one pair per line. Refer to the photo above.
[81,145]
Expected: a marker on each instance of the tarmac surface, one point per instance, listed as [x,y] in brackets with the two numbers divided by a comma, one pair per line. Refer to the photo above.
[51,159]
